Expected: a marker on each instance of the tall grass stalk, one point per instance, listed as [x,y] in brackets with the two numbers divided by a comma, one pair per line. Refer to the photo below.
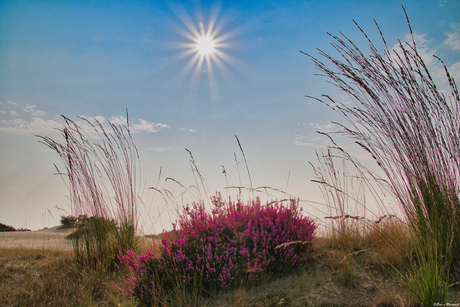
[411,130]
[102,178]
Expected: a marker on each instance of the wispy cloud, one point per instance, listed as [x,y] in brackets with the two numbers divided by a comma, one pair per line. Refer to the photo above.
[32,110]
[142,125]
[312,138]
[188,130]
[426,51]
[17,118]
[454,71]
[34,126]
[330,127]
[14,108]
[308,139]
[453,41]
[146,126]
[28,119]
[424,48]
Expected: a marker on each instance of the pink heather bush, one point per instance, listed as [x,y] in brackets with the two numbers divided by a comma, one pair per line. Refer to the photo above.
[233,243]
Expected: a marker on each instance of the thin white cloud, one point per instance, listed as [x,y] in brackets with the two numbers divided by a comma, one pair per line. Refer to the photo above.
[454,71]
[100,119]
[435,67]
[188,130]
[29,109]
[32,110]
[330,127]
[312,138]
[121,120]
[95,120]
[160,149]
[453,41]
[424,48]
[35,126]
[142,125]
[28,120]
[149,127]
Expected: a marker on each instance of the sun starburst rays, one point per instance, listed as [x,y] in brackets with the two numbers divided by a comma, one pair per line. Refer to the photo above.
[204,47]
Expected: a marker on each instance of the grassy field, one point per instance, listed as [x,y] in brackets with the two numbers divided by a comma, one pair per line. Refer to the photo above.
[346,270]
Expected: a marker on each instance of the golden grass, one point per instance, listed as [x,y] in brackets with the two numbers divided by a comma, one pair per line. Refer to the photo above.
[51,278]
[388,240]
[333,276]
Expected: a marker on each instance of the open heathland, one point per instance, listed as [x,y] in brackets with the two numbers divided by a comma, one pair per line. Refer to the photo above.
[332,276]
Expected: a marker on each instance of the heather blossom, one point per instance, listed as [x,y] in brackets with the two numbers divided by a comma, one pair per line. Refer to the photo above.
[235,242]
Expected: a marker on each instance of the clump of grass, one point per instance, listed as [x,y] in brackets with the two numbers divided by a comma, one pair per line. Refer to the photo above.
[347,272]
[411,130]
[52,278]
[234,245]
[102,181]
[393,241]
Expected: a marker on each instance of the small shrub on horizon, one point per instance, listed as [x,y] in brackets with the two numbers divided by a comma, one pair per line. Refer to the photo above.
[23,229]
[68,220]
[5,228]
[234,244]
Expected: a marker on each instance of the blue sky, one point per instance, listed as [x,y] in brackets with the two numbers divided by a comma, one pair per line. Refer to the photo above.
[97,58]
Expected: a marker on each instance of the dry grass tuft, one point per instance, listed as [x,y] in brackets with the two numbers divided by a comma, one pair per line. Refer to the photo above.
[51,278]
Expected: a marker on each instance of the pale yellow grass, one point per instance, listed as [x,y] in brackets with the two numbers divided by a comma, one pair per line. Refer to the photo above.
[50,239]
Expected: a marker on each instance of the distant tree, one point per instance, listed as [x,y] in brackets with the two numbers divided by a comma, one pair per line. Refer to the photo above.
[68,220]
[4,228]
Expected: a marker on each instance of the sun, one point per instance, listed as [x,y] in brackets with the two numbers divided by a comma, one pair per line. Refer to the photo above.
[205,45]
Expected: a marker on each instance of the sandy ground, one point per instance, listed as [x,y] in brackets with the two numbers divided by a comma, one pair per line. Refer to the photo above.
[50,239]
